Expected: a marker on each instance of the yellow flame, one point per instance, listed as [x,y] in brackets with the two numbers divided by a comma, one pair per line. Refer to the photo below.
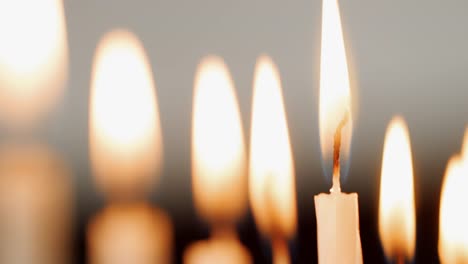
[272,192]
[125,135]
[396,206]
[33,59]
[335,100]
[218,151]
[453,218]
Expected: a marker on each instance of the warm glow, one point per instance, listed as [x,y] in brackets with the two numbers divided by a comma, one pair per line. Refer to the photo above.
[396,206]
[218,151]
[33,58]
[125,135]
[453,219]
[130,233]
[271,180]
[335,101]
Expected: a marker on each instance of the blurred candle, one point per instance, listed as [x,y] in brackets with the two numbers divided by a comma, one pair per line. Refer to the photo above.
[219,177]
[337,212]
[35,206]
[124,131]
[396,205]
[126,233]
[33,59]
[272,193]
[453,218]
[125,152]
[220,248]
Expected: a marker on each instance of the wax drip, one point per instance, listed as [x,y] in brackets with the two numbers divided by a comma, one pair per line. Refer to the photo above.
[336,154]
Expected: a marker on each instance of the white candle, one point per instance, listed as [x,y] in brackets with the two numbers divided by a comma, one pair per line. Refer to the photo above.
[338,228]
[338,221]
[35,206]
[337,213]
[219,175]
[272,190]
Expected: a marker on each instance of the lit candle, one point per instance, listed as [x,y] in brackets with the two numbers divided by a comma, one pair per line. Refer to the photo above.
[219,175]
[272,193]
[396,205]
[33,59]
[337,212]
[126,154]
[124,128]
[453,218]
[35,206]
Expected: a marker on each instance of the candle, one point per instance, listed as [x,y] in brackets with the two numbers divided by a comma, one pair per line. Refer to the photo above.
[453,219]
[126,155]
[337,212]
[33,60]
[271,181]
[396,205]
[219,175]
[35,206]
[131,232]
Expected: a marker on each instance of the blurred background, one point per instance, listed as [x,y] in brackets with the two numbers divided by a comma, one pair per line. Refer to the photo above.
[405,57]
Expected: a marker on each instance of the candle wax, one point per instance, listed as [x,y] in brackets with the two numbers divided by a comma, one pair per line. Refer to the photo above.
[35,206]
[338,228]
[130,233]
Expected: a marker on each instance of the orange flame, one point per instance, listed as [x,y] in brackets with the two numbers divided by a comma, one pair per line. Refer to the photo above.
[272,193]
[218,151]
[396,206]
[124,130]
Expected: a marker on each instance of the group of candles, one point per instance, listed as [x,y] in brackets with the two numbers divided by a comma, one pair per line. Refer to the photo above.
[126,154]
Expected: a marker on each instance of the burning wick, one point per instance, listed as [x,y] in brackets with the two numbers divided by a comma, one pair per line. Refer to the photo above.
[336,187]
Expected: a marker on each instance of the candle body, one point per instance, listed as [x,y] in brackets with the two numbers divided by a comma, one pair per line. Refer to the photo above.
[226,250]
[130,233]
[35,206]
[338,237]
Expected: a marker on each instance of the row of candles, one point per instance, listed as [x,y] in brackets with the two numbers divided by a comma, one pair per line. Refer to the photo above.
[126,154]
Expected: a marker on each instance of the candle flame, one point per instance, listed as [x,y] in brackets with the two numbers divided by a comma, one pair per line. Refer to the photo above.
[272,193]
[33,59]
[335,99]
[218,151]
[396,206]
[453,231]
[125,135]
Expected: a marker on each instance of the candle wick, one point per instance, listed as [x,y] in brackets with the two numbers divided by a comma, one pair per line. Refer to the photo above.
[336,187]
[400,259]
